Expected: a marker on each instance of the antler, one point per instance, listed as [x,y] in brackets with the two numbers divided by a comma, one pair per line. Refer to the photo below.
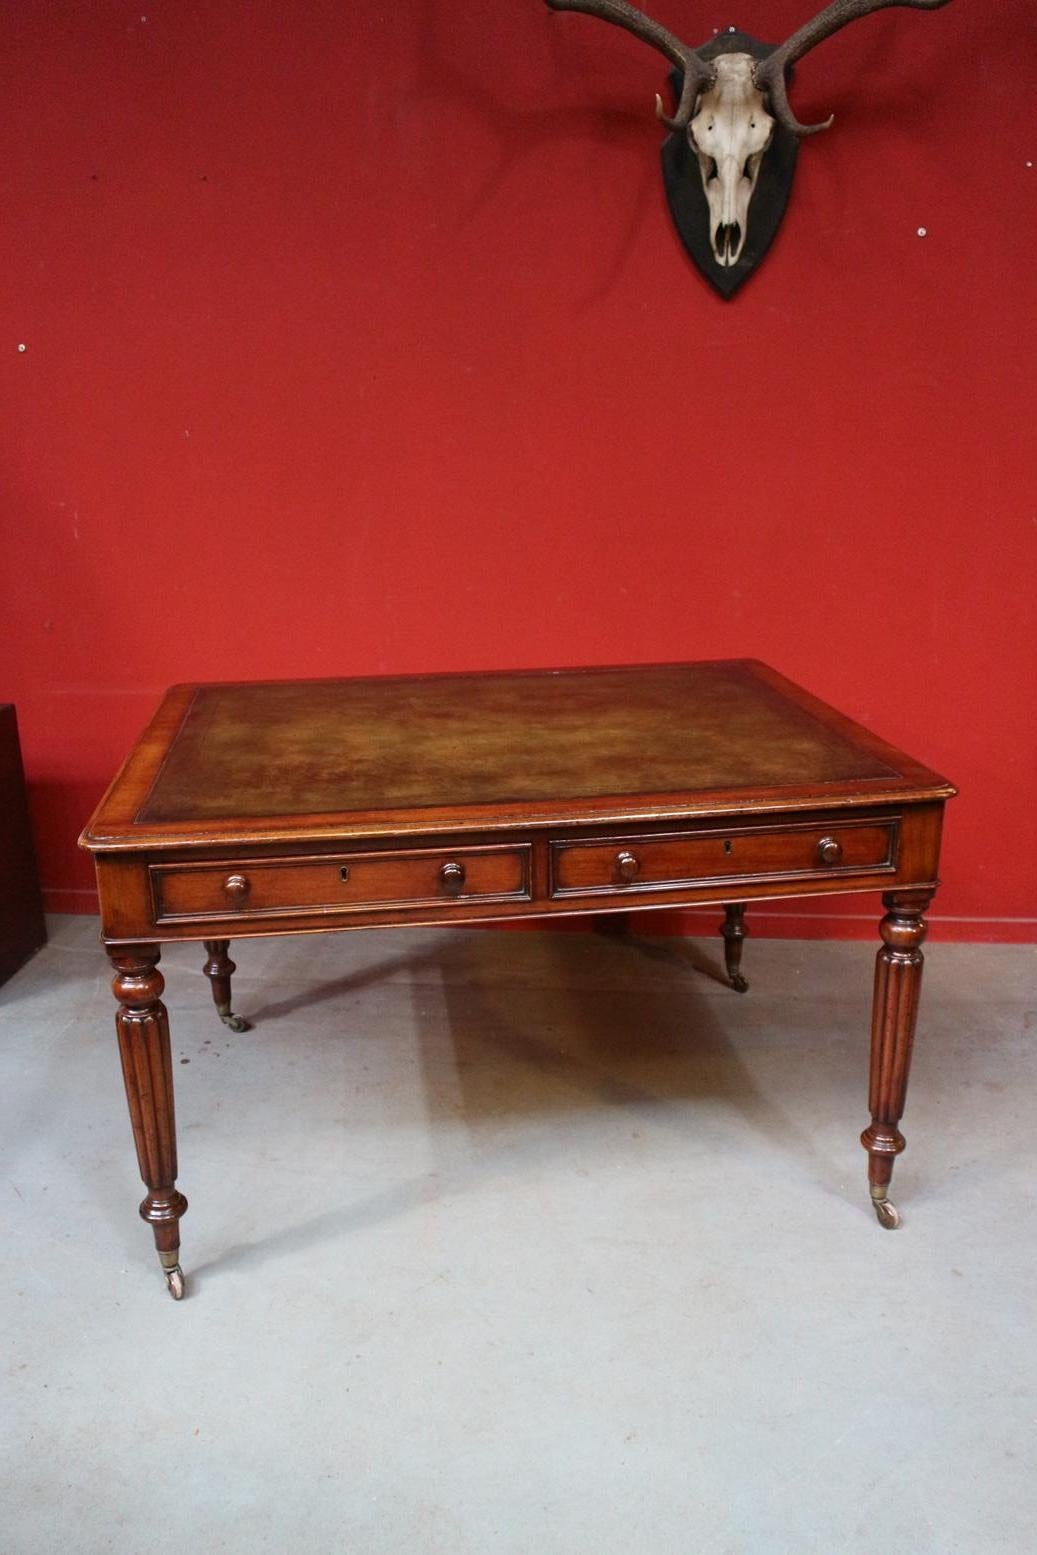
[770,72]
[697,73]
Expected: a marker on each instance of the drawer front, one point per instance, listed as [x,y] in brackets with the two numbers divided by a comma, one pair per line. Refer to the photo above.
[343,883]
[632,865]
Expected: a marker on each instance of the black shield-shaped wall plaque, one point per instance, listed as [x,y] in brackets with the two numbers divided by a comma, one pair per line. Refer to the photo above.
[687,198]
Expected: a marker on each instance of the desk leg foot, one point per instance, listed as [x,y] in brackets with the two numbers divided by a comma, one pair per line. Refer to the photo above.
[885,1210]
[734,931]
[174,1274]
[898,983]
[147,1070]
[219,969]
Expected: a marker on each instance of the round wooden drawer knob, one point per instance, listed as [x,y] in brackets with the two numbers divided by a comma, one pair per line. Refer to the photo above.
[452,876]
[829,851]
[628,867]
[237,888]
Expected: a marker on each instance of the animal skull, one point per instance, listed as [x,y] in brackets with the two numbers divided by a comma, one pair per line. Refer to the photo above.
[729,135]
[731,104]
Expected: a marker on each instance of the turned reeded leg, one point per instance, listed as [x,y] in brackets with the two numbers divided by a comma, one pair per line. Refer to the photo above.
[898,981]
[147,1069]
[219,969]
[734,931]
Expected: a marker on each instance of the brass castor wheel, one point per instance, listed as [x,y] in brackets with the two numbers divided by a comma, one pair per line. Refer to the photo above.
[174,1274]
[887,1213]
[739,984]
[234,1022]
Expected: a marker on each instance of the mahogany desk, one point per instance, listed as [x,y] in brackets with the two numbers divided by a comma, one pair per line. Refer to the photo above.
[301,807]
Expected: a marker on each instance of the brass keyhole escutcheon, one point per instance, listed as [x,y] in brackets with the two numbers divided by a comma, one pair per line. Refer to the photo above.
[343,873]
[729,846]
[628,867]
[452,876]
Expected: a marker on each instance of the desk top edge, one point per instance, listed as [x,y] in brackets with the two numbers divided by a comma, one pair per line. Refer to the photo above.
[116,825]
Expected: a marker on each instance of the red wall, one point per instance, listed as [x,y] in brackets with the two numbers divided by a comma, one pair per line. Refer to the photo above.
[357,340]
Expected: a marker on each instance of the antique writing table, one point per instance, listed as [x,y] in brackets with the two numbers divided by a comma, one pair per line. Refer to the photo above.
[299,807]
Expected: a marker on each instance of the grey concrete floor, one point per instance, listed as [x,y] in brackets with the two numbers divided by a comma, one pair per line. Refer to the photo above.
[513,1243]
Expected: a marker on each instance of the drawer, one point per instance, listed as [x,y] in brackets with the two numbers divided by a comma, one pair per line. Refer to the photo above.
[340,883]
[631,865]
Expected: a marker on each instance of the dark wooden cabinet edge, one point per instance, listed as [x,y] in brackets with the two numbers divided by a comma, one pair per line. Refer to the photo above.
[23,929]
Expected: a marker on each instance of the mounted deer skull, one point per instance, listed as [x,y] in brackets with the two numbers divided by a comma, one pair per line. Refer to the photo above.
[733,117]
[729,134]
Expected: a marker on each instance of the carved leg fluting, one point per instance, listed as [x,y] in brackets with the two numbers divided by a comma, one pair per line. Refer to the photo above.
[898,982]
[734,931]
[219,969]
[147,1069]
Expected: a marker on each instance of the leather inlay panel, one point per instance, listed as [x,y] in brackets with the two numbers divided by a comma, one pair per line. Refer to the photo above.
[316,747]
